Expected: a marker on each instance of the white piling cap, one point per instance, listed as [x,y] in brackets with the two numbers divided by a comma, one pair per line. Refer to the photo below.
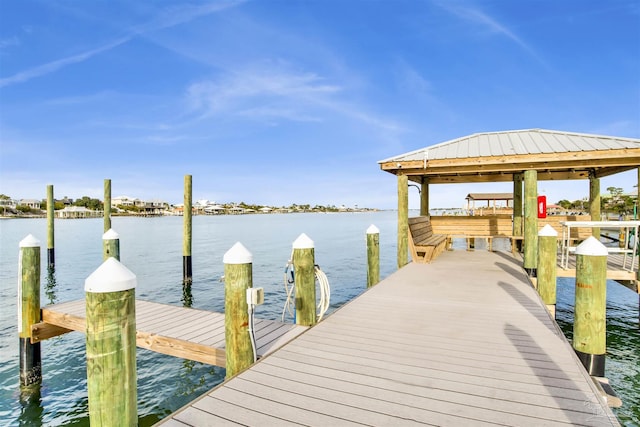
[548,231]
[591,246]
[238,254]
[373,230]
[111,276]
[110,235]
[303,242]
[29,242]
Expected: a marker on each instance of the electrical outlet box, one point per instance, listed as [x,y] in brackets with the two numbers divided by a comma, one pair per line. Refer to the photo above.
[255,296]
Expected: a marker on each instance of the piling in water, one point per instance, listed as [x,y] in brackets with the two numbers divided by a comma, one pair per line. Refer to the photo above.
[305,280]
[238,277]
[106,207]
[590,316]
[111,345]
[29,311]
[373,255]
[187,274]
[51,257]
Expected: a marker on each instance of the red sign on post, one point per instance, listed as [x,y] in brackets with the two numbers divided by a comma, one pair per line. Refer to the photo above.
[542,206]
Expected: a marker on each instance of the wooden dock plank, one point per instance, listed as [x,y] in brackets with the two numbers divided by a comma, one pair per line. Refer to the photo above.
[464,340]
[176,331]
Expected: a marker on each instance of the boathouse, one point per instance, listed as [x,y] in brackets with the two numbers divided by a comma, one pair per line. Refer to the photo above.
[522,157]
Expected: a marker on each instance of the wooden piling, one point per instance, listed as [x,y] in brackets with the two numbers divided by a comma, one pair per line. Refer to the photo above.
[29,311]
[546,273]
[424,196]
[403,220]
[594,202]
[110,245]
[517,211]
[238,277]
[590,316]
[530,221]
[373,255]
[305,280]
[51,213]
[187,273]
[106,206]
[111,345]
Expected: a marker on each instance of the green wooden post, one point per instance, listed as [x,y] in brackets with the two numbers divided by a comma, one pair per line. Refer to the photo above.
[29,311]
[547,261]
[110,245]
[373,255]
[238,277]
[111,345]
[187,273]
[107,205]
[403,220]
[594,202]
[517,209]
[590,316]
[51,256]
[424,196]
[530,221]
[305,280]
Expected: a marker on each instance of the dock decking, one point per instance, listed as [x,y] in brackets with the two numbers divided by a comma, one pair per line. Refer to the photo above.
[177,331]
[461,341]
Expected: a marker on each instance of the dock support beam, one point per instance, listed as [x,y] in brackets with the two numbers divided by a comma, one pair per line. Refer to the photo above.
[530,221]
[29,311]
[51,214]
[238,277]
[111,345]
[424,196]
[590,316]
[594,201]
[106,206]
[517,211]
[187,273]
[373,255]
[110,245]
[403,220]
[546,273]
[305,280]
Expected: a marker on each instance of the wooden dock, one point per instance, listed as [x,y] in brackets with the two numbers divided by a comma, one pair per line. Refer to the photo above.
[177,331]
[464,340]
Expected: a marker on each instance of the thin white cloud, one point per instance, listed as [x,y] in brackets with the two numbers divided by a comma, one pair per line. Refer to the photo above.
[9,42]
[165,19]
[479,17]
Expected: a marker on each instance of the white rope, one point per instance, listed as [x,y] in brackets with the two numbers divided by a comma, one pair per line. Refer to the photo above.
[289,288]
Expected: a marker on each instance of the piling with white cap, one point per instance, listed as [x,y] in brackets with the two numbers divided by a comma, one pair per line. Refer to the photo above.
[373,255]
[546,274]
[305,280]
[238,277]
[29,311]
[106,206]
[111,345]
[590,315]
[110,245]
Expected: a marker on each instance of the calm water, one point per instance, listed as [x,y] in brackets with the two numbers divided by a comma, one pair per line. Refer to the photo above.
[152,249]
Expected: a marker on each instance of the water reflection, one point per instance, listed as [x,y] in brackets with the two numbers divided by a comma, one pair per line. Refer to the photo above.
[30,406]
[50,287]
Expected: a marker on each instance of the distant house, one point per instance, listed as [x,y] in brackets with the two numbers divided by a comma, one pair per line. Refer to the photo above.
[72,212]
[8,203]
[31,203]
[122,201]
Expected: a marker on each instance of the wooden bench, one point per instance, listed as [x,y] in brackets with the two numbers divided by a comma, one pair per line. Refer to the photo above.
[472,227]
[424,245]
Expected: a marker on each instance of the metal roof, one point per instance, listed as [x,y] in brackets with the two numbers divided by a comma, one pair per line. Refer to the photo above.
[528,141]
[489,196]
[498,156]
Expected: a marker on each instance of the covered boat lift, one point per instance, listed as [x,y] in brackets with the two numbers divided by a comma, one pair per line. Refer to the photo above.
[523,157]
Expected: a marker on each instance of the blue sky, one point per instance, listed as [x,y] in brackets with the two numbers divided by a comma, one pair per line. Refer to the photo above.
[281,101]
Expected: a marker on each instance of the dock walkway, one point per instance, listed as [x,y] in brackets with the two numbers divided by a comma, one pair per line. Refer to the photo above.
[177,331]
[462,341]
